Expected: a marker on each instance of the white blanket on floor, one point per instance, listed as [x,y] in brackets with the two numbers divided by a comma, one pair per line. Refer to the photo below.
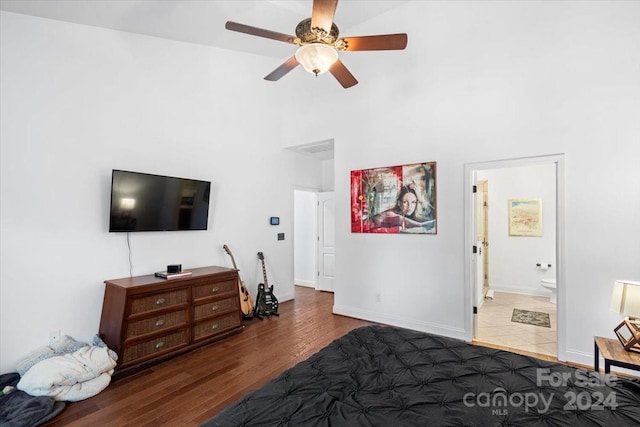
[72,377]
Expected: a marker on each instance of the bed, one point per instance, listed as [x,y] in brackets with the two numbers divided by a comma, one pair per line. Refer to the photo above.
[388,376]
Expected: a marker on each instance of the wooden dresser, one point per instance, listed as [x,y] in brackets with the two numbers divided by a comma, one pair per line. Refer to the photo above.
[147,319]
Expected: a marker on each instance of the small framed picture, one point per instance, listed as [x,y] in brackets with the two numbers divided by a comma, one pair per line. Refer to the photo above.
[274,220]
[525,217]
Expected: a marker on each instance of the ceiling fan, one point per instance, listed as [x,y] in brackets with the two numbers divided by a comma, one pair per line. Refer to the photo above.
[319,44]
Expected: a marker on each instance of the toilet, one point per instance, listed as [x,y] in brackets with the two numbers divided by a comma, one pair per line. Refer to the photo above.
[550,284]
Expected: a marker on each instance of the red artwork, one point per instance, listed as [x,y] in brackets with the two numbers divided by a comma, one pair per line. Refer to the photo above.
[394,199]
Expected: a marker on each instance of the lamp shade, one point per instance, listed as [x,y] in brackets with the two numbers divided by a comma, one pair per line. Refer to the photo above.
[626,298]
[316,58]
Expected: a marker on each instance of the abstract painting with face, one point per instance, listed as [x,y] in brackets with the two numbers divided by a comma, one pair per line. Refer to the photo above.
[394,199]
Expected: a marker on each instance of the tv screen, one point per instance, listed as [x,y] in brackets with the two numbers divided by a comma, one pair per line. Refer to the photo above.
[146,202]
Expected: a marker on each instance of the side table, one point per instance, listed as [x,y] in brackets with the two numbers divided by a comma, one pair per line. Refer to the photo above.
[614,355]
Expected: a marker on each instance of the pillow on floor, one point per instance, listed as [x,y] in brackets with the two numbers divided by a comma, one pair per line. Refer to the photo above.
[65,345]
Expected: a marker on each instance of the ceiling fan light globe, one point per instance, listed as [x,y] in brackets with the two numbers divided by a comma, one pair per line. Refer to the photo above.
[316,58]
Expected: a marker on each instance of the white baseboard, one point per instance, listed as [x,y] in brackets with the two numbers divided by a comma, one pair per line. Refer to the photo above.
[519,290]
[431,328]
[305,283]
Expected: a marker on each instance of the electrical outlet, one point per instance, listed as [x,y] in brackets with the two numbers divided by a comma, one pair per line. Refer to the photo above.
[378,297]
[54,337]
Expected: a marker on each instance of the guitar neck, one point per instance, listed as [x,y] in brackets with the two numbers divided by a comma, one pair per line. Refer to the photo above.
[264,274]
[233,261]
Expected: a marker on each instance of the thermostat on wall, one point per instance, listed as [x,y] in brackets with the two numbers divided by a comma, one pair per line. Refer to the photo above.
[275,220]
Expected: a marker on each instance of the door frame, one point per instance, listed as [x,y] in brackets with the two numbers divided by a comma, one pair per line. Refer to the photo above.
[470,236]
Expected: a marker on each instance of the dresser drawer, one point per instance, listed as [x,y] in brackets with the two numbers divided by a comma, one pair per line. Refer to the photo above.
[156,323]
[215,308]
[161,300]
[155,346]
[214,288]
[216,325]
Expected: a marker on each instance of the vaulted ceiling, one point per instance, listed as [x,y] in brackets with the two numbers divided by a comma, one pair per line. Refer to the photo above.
[202,21]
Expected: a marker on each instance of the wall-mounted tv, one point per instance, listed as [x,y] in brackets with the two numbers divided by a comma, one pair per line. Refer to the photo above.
[146,202]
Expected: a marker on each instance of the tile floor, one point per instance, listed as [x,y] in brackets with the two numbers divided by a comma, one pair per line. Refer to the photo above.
[495,325]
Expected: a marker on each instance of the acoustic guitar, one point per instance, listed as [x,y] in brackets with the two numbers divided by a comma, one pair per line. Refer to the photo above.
[246,302]
[267,303]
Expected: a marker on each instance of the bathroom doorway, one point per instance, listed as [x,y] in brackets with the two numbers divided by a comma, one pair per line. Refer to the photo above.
[506,314]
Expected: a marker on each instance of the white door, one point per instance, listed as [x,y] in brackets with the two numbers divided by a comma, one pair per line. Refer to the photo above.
[481,257]
[326,241]
[482,231]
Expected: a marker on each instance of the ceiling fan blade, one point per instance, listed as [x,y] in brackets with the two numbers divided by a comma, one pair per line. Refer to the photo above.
[283,69]
[379,42]
[255,31]
[322,14]
[342,74]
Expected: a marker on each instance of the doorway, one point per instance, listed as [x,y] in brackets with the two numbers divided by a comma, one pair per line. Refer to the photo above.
[314,239]
[520,263]
[305,226]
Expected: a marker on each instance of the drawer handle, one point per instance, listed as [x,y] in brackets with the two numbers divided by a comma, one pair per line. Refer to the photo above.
[214,308]
[160,323]
[214,326]
[160,345]
[160,301]
[214,290]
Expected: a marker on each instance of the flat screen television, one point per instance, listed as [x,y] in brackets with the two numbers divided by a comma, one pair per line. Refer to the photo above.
[146,202]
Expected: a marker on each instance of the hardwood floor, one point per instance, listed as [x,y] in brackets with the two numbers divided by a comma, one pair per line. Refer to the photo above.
[190,389]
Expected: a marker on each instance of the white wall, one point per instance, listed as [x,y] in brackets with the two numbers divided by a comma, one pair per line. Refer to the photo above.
[328,173]
[79,101]
[484,81]
[513,259]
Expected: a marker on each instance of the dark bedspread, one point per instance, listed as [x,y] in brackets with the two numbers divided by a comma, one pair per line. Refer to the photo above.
[18,409]
[387,376]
